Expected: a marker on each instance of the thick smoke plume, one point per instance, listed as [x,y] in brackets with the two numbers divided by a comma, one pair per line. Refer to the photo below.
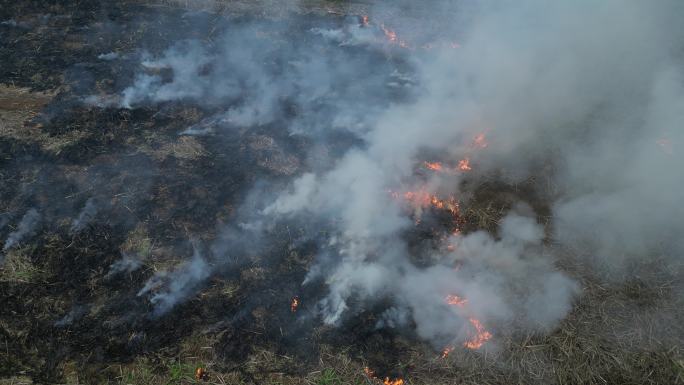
[587,96]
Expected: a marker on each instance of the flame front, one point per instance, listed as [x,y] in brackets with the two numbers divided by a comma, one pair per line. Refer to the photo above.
[387,381]
[294,304]
[481,336]
[397,381]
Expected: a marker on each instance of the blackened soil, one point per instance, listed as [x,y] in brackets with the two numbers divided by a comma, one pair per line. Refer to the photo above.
[154,191]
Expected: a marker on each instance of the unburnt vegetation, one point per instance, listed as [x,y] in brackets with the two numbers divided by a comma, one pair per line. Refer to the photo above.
[69,289]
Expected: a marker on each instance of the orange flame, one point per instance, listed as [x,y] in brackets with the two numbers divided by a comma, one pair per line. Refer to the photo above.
[371,375]
[456,300]
[397,381]
[200,373]
[294,304]
[446,351]
[481,336]
[464,164]
[392,37]
[434,166]
[423,199]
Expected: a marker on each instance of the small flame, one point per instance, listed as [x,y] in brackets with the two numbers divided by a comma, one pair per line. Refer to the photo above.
[390,34]
[464,164]
[447,350]
[371,375]
[423,199]
[294,304]
[392,37]
[481,336]
[456,300]
[365,21]
[200,373]
[434,166]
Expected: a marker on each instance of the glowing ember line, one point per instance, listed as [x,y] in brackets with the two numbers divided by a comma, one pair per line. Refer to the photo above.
[392,37]
[434,166]
[398,381]
[456,300]
[481,335]
[390,34]
[463,166]
[480,338]
[371,375]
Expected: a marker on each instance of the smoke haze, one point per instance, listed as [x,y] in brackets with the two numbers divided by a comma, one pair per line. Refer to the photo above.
[587,97]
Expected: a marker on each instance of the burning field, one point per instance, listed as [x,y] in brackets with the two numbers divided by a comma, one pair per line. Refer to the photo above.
[332,192]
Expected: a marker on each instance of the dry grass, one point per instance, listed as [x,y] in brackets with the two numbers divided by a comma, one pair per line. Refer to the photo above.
[17,380]
[138,242]
[17,267]
[18,106]
[623,333]
[619,333]
[269,8]
[185,148]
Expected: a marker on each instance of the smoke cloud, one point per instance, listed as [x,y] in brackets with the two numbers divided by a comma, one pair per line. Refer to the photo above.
[26,228]
[587,96]
[86,215]
[167,288]
[590,89]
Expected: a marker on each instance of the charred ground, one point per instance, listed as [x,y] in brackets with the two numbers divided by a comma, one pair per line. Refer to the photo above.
[66,318]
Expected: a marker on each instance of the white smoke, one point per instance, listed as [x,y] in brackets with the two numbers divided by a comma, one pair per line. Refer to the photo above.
[126,264]
[587,95]
[26,228]
[262,77]
[168,288]
[86,216]
[587,88]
